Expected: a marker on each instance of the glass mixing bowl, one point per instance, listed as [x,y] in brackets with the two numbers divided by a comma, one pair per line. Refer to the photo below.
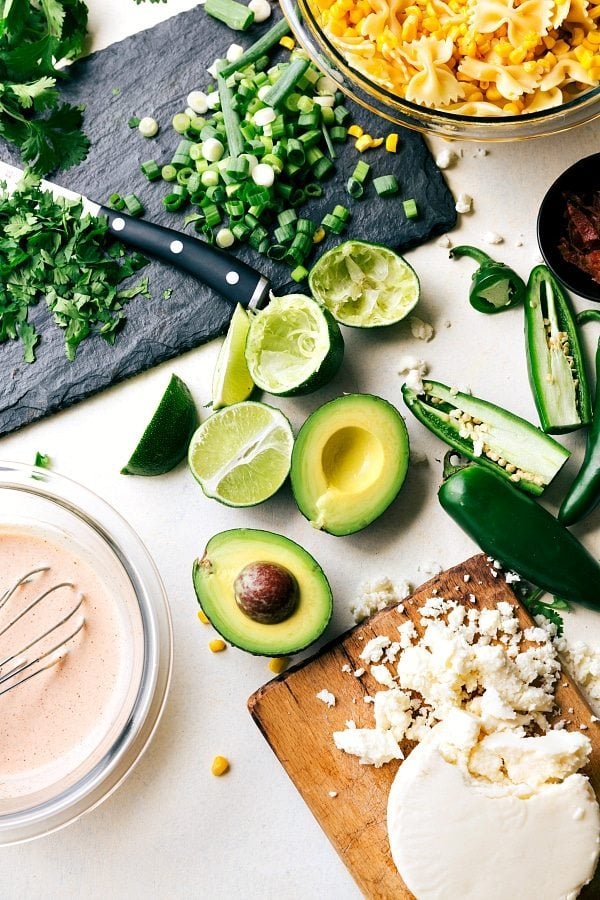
[306,28]
[34,498]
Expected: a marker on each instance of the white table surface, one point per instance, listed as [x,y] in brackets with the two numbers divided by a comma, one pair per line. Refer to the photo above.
[173,830]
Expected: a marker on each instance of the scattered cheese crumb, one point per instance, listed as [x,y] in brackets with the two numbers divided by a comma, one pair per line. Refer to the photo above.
[446,158]
[420,329]
[444,242]
[492,237]
[326,697]
[464,203]
[376,595]
[358,673]
[346,668]
[332,794]
[374,649]
[382,675]
[414,371]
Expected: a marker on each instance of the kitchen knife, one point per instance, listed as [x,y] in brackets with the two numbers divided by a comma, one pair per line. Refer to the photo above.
[233,279]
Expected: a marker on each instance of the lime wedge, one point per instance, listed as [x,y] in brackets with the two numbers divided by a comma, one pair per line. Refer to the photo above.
[364,285]
[241,454]
[232,381]
[165,441]
[294,346]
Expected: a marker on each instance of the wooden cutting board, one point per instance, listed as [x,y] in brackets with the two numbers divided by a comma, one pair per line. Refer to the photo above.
[298,728]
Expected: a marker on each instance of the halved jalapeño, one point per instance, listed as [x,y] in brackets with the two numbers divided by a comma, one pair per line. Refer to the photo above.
[554,357]
[489,435]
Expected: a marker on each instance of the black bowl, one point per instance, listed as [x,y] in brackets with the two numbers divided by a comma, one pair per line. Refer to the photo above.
[582,178]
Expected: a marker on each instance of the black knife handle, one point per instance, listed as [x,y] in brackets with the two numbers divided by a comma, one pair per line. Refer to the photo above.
[221,271]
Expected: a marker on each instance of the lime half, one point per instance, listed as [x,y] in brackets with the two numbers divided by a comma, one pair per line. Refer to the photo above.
[165,441]
[241,454]
[232,381]
[294,346]
[364,285]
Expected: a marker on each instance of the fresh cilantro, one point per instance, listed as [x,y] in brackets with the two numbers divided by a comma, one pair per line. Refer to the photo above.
[42,460]
[133,122]
[549,609]
[51,249]
[167,293]
[34,38]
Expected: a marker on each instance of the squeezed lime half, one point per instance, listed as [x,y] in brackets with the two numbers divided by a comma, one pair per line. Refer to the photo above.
[241,454]
[166,438]
[294,346]
[232,381]
[364,285]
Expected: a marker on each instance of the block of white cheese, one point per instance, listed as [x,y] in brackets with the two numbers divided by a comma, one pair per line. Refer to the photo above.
[456,837]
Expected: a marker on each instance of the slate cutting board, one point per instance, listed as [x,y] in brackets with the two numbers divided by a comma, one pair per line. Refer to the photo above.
[151,73]
[298,728]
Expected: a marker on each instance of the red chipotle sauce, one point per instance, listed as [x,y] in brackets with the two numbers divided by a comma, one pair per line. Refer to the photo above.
[580,244]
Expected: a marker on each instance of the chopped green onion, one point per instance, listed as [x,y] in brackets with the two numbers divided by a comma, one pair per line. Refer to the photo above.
[328,141]
[322,168]
[341,115]
[386,185]
[234,15]
[341,212]
[299,273]
[133,205]
[209,178]
[240,231]
[181,123]
[224,238]
[148,127]
[115,201]
[231,120]
[258,236]
[313,190]
[168,173]
[361,171]
[355,188]
[212,215]
[184,175]
[284,234]
[410,209]
[256,51]
[284,85]
[276,251]
[338,134]
[306,226]
[287,217]
[151,170]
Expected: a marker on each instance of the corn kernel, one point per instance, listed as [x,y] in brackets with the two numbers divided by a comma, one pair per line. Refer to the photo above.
[363,143]
[375,142]
[288,42]
[511,109]
[493,94]
[391,142]
[203,617]
[355,131]
[517,56]
[593,37]
[430,23]
[560,47]
[577,36]
[220,765]
[530,67]
[318,235]
[594,13]
[549,42]
[279,664]
[217,646]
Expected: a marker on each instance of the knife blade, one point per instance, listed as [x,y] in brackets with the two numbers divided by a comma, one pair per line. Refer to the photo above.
[224,273]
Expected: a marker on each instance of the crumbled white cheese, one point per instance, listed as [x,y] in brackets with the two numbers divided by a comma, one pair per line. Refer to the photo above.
[492,237]
[413,370]
[346,668]
[358,673]
[382,675]
[511,577]
[393,712]
[420,329]
[373,747]
[408,634]
[332,794]
[444,241]
[326,697]
[376,595]
[583,662]
[446,158]
[464,203]
[374,649]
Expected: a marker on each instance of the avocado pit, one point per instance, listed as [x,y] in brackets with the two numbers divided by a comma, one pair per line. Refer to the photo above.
[266,592]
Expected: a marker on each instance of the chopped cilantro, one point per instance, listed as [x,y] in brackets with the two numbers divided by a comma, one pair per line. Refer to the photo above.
[51,249]
[134,122]
[34,37]
[42,460]
[116,92]
[549,609]
[167,293]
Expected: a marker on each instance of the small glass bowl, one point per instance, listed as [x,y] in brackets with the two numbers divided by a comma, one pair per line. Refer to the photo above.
[36,497]
[328,58]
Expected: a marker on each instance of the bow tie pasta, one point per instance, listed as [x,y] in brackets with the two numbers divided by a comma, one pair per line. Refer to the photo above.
[472,57]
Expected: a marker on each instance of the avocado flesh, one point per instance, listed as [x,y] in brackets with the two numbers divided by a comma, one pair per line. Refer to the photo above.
[349,462]
[214,575]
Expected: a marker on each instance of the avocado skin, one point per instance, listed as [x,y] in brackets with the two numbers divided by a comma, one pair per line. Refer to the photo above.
[215,592]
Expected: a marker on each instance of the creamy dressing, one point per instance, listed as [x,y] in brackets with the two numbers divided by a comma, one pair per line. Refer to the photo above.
[55,727]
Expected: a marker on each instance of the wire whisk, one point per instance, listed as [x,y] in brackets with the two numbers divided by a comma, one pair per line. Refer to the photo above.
[18,663]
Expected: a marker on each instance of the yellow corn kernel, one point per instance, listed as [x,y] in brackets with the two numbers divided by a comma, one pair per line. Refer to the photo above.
[356,16]
[220,765]
[493,94]
[375,142]
[288,42]
[391,142]
[560,47]
[355,131]
[593,37]
[363,143]
[530,67]
[594,73]
[476,97]
[279,664]
[577,36]
[337,28]
[549,42]
[594,13]
[430,23]
[203,617]
[319,235]
[217,646]
[471,49]
[517,56]
[584,56]
[511,109]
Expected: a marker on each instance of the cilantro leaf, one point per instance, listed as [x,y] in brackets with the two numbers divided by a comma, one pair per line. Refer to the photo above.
[549,609]
[55,142]
[42,460]
[29,337]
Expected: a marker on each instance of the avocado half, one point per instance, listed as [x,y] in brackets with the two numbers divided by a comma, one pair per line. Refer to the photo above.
[348,463]
[226,554]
